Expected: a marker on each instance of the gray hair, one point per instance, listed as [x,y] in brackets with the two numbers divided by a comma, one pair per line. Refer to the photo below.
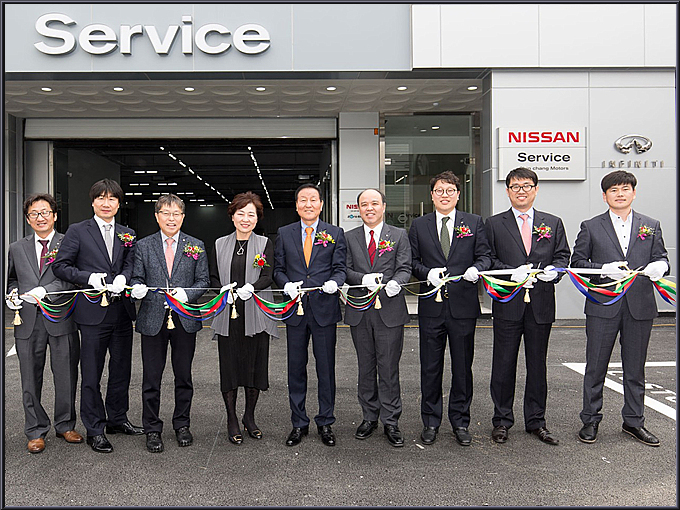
[169,199]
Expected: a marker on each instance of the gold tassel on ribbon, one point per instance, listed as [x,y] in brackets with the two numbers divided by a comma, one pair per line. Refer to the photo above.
[438,298]
[527,299]
[234,313]
[378,306]
[17,319]
[171,324]
[300,311]
[104,301]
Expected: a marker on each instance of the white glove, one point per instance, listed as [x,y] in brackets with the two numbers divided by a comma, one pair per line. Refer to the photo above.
[180,294]
[520,274]
[13,300]
[371,281]
[118,284]
[96,281]
[655,270]
[230,295]
[613,271]
[292,289]
[39,292]
[548,274]
[434,276]
[139,291]
[330,287]
[471,274]
[529,284]
[245,292]
[392,288]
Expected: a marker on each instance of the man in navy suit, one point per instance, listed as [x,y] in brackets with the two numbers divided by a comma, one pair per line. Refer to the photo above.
[453,242]
[99,253]
[161,261]
[520,238]
[618,237]
[311,253]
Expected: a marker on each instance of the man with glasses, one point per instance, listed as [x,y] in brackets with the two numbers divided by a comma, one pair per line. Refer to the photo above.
[447,242]
[522,238]
[99,253]
[30,276]
[168,259]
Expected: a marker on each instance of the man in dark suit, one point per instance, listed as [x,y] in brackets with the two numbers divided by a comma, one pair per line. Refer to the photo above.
[166,259]
[453,242]
[99,253]
[377,252]
[520,238]
[311,253]
[30,276]
[620,237]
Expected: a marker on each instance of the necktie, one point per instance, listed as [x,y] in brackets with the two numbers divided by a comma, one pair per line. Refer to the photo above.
[307,250]
[108,240]
[444,238]
[371,247]
[169,256]
[43,252]
[526,232]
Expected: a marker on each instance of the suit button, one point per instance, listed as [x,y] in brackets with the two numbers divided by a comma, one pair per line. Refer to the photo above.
[308,277]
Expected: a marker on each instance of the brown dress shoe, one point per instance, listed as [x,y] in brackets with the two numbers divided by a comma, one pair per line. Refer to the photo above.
[36,445]
[71,436]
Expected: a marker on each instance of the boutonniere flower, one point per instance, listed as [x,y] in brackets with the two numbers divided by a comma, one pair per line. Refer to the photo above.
[462,231]
[645,231]
[126,238]
[324,238]
[260,261]
[385,245]
[543,230]
[193,251]
[50,256]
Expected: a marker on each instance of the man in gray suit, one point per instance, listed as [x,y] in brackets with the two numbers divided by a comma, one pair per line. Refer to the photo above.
[30,275]
[174,260]
[376,253]
[609,241]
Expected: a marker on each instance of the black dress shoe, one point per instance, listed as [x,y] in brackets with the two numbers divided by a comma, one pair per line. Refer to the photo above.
[394,435]
[125,428]
[429,434]
[641,434]
[500,434]
[296,434]
[327,435]
[588,433]
[544,435]
[99,443]
[154,443]
[366,429]
[462,436]
[184,437]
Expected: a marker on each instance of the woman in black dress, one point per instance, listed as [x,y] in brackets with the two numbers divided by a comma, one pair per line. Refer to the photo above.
[246,259]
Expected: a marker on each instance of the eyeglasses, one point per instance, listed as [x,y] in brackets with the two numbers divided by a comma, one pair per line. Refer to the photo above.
[172,215]
[449,191]
[34,215]
[525,187]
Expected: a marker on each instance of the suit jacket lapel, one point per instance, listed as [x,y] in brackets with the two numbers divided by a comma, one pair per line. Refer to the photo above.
[510,224]
[29,249]
[635,228]
[384,236]
[179,253]
[316,247]
[157,245]
[609,229]
[98,238]
[117,243]
[298,240]
[432,228]
[54,245]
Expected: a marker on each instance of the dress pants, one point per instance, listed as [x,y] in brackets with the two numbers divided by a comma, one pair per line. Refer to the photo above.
[154,355]
[378,353]
[507,335]
[434,332]
[601,336]
[64,357]
[114,334]
[323,347]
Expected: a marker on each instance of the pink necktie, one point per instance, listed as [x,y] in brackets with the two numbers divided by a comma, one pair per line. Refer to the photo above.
[526,232]
[169,256]
[371,248]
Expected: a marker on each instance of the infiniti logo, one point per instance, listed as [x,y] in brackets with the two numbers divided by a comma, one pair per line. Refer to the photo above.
[626,142]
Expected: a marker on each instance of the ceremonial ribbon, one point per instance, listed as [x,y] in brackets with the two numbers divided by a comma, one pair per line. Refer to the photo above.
[201,312]
[276,311]
[665,289]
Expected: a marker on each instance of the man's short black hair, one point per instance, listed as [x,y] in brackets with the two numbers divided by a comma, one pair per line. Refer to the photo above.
[618,178]
[37,197]
[308,185]
[521,173]
[447,176]
[382,195]
[106,187]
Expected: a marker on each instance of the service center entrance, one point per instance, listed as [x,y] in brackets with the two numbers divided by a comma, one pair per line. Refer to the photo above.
[206,174]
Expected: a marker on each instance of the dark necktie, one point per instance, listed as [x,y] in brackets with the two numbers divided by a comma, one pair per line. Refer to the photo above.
[444,238]
[371,247]
[43,252]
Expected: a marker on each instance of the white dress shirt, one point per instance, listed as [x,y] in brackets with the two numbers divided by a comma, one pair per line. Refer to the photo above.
[165,243]
[39,246]
[449,225]
[622,229]
[520,221]
[102,230]
[377,230]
